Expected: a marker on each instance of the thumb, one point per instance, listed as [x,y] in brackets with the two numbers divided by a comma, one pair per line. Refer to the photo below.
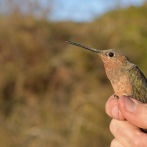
[134,111]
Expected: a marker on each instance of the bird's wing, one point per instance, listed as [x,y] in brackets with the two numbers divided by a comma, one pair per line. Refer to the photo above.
[139,84]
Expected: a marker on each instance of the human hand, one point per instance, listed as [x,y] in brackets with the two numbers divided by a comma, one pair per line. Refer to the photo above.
[129,115]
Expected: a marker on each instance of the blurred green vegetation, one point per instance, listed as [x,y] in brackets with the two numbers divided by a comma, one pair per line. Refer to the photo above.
[54,94]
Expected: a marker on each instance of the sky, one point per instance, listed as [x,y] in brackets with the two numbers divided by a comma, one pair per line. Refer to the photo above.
[86,10]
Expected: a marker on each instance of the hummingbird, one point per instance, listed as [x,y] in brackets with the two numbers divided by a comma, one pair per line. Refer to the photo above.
[125,77]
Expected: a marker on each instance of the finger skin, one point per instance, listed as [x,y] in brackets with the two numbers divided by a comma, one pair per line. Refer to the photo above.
[116,143]
[111,103]
[127,134]
[138,117]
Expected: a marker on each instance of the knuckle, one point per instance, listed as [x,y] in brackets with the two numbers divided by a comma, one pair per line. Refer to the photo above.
[138,140]
[113,143]
[112,125]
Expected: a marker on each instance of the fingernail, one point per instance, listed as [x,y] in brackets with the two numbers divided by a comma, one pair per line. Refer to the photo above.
[129,105]
[115,112]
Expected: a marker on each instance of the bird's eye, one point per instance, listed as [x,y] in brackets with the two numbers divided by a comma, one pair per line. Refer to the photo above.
[111,54]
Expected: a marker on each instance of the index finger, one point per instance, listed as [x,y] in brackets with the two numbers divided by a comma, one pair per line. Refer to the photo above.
[112,109]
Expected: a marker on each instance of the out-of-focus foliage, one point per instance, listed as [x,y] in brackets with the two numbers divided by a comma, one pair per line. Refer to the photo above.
[53,94]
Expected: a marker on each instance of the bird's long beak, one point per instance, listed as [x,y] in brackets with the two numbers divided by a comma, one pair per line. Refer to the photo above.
[85,47]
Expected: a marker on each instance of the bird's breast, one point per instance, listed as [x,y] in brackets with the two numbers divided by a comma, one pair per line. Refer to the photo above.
[121,85]
[119,78]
